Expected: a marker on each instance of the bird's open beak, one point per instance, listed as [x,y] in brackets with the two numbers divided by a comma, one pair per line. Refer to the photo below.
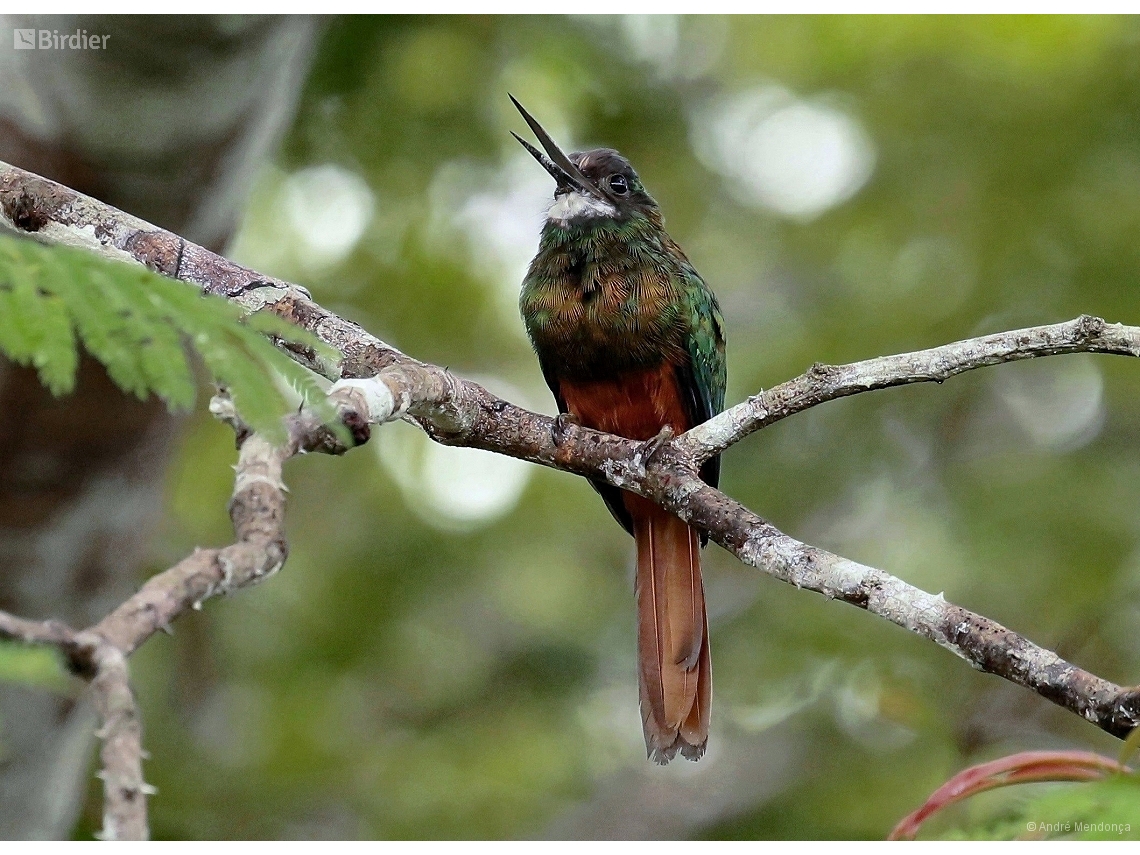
[568,176]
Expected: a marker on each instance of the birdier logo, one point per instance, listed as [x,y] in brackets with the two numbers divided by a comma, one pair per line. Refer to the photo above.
[33,39]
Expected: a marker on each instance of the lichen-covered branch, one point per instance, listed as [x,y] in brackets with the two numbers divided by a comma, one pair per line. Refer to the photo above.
[827,382]
[378,383]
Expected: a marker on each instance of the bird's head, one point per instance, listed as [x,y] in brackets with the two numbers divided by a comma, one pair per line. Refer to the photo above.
[595,184]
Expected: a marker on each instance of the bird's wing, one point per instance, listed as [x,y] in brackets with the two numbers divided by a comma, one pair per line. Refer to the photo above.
[702,378]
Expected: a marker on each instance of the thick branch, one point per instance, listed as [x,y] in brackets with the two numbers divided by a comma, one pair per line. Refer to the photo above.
[985,644]
[463,411]
[668,479]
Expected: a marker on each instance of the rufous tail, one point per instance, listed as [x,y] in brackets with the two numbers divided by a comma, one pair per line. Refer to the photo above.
[674,668]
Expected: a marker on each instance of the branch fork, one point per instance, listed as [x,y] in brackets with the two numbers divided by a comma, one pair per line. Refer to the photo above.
[375,383]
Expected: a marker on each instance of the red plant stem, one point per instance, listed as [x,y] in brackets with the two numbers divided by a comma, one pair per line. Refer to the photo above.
[1023,768]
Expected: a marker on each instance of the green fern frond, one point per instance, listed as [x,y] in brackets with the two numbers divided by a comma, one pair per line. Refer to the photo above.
[141,326]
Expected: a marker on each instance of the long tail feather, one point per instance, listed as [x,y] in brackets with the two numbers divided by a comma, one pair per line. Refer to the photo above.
[675,671]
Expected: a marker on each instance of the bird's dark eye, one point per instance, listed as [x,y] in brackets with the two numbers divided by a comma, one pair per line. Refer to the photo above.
[619,185]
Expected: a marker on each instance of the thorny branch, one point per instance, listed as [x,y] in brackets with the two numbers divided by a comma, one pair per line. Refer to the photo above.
[91,655]
[257,508]
[379,384]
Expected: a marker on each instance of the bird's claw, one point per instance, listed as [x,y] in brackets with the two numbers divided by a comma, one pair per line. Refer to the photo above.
[561,427]
[651,447]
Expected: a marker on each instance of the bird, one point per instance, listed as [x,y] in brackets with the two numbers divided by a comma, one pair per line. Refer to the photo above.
[630,341]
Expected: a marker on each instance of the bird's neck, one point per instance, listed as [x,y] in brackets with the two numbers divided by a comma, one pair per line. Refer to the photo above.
[592,234]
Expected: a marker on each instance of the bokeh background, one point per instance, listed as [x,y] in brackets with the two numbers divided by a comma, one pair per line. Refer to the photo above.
[449,651]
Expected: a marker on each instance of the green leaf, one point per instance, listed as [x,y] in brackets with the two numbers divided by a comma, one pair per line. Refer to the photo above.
[142,327]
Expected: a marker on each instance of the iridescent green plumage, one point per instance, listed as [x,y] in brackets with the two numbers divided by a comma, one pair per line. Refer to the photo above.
[606,295]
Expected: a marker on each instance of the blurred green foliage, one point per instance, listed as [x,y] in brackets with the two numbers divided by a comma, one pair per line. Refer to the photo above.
[450,650]
[32,666]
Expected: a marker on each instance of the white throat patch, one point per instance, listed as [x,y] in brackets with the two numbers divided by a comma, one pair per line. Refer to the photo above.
[575,205]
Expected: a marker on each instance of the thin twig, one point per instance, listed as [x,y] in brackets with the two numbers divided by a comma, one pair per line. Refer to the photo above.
[92,656]
[822,383]
[35,631]
[124,789]
[100,653]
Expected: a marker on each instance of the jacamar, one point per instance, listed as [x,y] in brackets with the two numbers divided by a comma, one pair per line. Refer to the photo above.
[629,340]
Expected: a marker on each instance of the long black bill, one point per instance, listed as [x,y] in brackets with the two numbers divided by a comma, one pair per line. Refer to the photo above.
[557,164]
[565,182]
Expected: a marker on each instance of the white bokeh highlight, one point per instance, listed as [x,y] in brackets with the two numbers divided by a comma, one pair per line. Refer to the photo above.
[504,217]
[1058,403]
[654,39]
[328,209]
[451,488]
[493,217]
[794,157]
[675,47]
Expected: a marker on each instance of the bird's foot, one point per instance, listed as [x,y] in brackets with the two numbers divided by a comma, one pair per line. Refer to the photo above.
[651,447]
[561,427]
